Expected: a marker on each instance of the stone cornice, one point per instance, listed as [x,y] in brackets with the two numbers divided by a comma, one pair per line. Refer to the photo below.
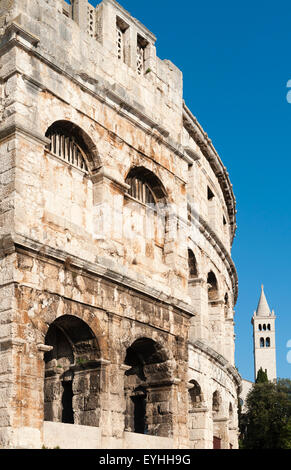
[15,242]
[205,144]
[217,244]
[218,358]
[10,130]
[108,94]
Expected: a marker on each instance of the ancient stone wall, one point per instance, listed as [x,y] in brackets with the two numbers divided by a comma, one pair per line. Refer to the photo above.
[117,219]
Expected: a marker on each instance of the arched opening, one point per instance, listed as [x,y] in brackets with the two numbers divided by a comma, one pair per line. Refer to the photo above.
[262,343]
[268,343]
[71,144]
[269,327]
[212,287]
[72,373]
[145,204]
[192,265]
[194,395]
[147,389]
[264,327]
[260,327]
[145,186]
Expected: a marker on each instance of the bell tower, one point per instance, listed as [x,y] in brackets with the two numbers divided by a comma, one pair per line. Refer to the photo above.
[263,322]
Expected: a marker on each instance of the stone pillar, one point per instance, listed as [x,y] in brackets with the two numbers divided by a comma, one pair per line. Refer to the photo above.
[216,325]
[150,63]
[108,206]
[198,428]
[229,339]
[175,250]
[197,291]
[80,13]
[21,420]
[220,430]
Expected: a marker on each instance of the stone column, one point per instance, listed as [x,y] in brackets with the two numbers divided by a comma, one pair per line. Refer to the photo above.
[216,325]
[220,429]
[198,428]
[197,290]
[21,420]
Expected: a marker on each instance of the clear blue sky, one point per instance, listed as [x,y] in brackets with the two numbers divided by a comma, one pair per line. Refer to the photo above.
[236,61]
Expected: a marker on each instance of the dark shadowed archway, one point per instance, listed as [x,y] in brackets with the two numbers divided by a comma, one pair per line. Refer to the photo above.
[72,373]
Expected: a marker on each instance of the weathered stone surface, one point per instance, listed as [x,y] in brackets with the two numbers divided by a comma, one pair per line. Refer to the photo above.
[104,320]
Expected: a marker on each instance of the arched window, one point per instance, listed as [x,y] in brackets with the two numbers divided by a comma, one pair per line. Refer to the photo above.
[264,327]
[148,365]
[269,327]
[195,395]
[193,273]
[145,186]
[262,342]
[72,373]
[67,143]
[268,342]
[212,286]
[260,327]
[216,402]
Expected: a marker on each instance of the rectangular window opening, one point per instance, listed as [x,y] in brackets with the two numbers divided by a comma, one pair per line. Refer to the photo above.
[121,28]
[140,54]
[210,194]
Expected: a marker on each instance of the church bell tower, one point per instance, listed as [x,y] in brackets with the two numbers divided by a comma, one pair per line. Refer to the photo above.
[263,322]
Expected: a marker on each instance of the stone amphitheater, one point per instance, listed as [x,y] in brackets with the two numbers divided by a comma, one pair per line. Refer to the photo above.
[117,217]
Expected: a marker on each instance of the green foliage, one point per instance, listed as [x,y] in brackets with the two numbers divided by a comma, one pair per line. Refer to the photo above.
[262,376]
[267,422]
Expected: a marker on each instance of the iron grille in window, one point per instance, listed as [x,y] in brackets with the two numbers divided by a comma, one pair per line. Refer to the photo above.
[140,59]
[141,191]
[66,148]
[119,42]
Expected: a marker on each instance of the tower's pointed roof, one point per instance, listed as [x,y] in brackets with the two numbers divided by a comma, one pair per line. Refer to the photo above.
[263,309]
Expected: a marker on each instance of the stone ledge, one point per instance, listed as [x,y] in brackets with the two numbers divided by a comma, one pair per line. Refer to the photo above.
[17,241]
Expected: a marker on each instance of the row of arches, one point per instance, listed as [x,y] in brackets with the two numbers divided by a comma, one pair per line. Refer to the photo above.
[197,400]
[68,142]
[73,381]
[212,284]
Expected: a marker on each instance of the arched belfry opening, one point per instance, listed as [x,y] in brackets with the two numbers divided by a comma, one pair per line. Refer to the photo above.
[148,389]
[72,373]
